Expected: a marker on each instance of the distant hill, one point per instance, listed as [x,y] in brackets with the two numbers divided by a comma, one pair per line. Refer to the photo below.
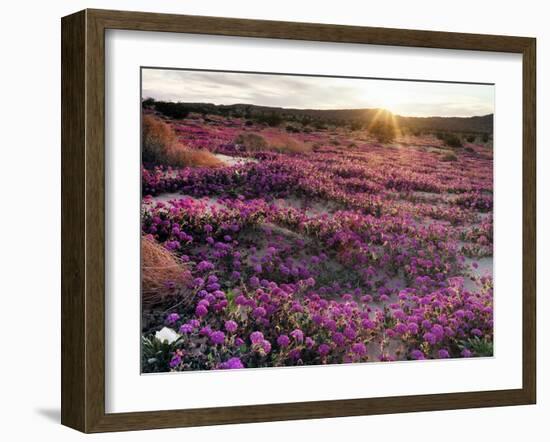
[482,124]
[319,117]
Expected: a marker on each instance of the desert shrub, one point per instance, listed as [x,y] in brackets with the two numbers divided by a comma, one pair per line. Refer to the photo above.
[182,157]
[163,276]
[251,141]
[449,157]
[161,146]
[485,138]
[282,143]
[172,110]
[475,200]
[292,129]
[469,149]
[271,119]
[157,138]
[480,346]
[148,102]
[452,140]
[471,138]
[384,132]
[286,144]
[357,125]
[249,123]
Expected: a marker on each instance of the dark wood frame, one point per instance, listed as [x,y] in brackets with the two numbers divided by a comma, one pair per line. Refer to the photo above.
[83,217]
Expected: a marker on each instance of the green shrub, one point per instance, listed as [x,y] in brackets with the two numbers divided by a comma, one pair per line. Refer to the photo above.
[319,125]
[452,140]
[479,346]
[485,138]
[172,110]
[271,119]
[148,102]
[471,138]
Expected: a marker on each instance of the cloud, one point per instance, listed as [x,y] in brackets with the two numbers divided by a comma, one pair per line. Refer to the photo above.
[401,97]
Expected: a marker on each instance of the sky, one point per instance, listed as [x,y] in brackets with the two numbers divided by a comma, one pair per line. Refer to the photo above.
[406,98]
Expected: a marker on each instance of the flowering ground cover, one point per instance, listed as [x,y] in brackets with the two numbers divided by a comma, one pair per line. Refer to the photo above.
[324,246]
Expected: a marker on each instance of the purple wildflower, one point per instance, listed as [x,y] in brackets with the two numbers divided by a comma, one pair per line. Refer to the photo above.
[283,341]
[259,312]
[172,318]
[231,364]
[443,354]
[359,349]
[417,354]
[201,310]
[230,326]
[186,329]
[176,360]
[323,349]
[217,337]
[256,337]
[430,338]
[298,335]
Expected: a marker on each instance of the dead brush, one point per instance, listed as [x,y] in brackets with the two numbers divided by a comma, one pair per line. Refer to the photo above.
[282,143]
[252,142]
[163,278]
[157,137]
[160,145]
[182,157]
[285,144]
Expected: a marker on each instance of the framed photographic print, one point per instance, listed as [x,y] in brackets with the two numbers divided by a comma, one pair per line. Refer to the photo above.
[266,221]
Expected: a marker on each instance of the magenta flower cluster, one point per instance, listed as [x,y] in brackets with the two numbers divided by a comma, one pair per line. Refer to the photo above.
[343,254]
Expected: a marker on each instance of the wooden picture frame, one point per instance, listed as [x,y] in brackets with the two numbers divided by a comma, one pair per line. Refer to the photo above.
[83,220]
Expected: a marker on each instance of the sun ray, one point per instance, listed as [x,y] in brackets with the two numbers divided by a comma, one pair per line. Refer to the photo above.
[379,113]
[395,124]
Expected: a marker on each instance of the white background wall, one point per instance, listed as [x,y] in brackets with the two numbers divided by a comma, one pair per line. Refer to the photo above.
[30,216]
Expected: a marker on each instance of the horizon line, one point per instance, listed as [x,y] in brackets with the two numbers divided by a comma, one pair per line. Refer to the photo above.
[317,109]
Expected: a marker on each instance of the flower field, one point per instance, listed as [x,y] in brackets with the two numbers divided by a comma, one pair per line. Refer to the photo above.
[320,246]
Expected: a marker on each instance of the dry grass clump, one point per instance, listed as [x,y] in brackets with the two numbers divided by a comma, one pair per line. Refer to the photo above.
[160,145]
[162,276]
[157,138]
[182,157]
[251,141]
[282,143]
[286,144]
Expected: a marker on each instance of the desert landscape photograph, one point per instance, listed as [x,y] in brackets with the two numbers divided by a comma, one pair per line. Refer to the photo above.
[294,220]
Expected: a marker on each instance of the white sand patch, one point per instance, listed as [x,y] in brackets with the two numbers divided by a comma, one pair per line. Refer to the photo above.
[484,269]
[167,198]
[309,207]
[234,161]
